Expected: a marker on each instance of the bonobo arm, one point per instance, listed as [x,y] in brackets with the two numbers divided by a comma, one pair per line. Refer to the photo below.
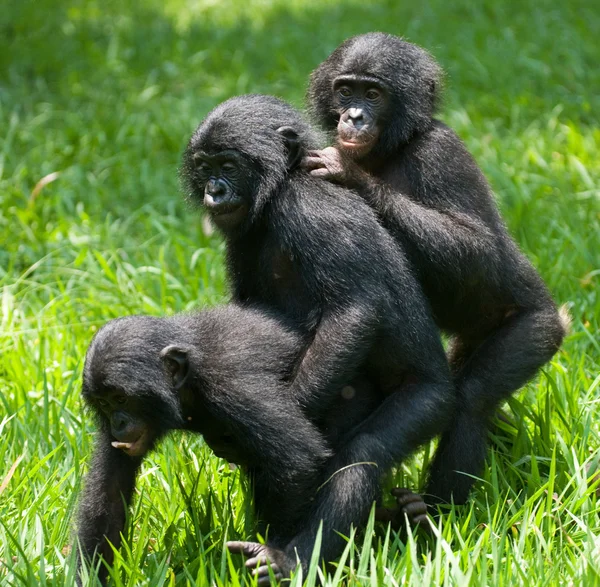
[108,491]
[405,420]
[340,344]
[286,452]
[441,217]
[447,235]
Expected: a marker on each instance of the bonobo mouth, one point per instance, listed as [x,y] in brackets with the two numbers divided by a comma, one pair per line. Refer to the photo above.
[137,447]
[227,215]
[356,148]
[218,206]
[355,142]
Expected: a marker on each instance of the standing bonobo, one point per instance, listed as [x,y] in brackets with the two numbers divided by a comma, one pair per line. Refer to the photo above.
[315,253]
[377,94]
[222,373]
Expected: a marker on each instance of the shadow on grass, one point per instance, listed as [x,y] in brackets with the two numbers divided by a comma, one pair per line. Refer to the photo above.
[532,54]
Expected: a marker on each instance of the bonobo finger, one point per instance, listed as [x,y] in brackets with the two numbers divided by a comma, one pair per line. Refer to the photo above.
[256,560]
[311,162]
[245,548]
[263,571]
[322,172]
[413,507]
[417,508]
[417,516]
[266,579]
[423,522]
[409,499]
[401,491]
[403,496]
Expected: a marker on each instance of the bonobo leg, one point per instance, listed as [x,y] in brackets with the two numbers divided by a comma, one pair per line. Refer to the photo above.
[406,419]
[496,368]
[108,490]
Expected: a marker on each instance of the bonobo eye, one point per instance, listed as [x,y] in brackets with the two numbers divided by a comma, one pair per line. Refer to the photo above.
[121,399]
[345,91]
[200,163]
[229,167]
[372,94]
[103,403]
[203,168]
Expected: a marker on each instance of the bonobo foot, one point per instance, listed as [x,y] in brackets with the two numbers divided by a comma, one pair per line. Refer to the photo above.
[260,557]
[408,505]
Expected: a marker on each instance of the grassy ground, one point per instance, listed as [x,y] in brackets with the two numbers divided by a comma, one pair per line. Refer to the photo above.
[99,98]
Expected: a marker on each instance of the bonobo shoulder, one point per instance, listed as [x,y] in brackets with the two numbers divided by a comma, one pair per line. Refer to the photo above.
[329,196]
[440,154]
[439,131]
[225,330]
[232,319]
[329,227]
[326,206]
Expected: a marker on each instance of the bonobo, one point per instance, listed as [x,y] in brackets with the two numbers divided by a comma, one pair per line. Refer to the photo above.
[377,94]
[222,373]
[315,253]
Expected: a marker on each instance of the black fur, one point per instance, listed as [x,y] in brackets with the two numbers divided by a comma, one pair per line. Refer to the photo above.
[315,253]
[430,194]
[233,391]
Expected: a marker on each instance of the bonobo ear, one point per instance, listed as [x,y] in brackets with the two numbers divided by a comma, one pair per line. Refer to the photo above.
[432,88]
[292,143]
[177,364]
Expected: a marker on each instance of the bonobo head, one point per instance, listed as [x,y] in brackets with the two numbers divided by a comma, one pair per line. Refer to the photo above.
[377,91]
[144,376]
[132,380]
[239,156]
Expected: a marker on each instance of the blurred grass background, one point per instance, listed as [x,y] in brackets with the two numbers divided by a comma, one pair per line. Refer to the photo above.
[98,99]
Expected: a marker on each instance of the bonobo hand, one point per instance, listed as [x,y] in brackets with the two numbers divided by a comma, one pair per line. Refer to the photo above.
[326,164]
[261,557]
[410,506]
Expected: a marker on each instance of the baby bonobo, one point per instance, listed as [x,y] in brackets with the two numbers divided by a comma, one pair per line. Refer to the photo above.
[377,94]
[222,373]
[314,253]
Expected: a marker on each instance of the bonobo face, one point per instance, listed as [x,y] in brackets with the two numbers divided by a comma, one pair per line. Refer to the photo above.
[131,433]
[225,180]
[362,103]
[132,385]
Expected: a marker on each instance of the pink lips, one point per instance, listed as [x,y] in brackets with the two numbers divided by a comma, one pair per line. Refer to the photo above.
[356,145]
[135,448]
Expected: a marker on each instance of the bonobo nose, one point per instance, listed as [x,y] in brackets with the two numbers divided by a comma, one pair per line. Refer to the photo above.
[118,423]
[215,188]
[356,116]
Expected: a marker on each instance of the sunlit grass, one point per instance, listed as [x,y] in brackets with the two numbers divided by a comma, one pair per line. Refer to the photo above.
[99,99]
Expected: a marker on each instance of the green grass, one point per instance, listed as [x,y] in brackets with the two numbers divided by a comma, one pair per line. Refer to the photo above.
[105,94]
